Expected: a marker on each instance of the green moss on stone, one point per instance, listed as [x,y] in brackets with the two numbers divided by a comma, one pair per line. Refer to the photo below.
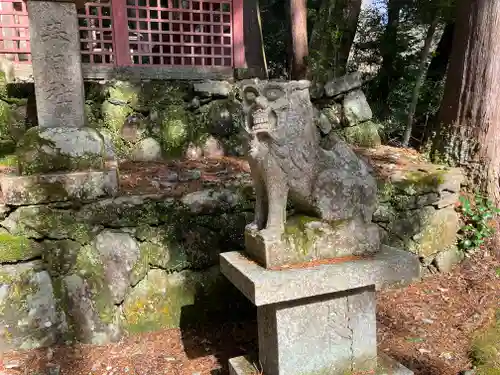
[126,92]
[40,155]
[365,134]
[114,116]
[60,256]
[92,114]
[8,161]
[416,182]
[128,212]
[91,268]
[176,129]
[17,248]
[298,234]
[48,222]
[158,301]
[6,119]
[160,94]
[485,351]
[151,254]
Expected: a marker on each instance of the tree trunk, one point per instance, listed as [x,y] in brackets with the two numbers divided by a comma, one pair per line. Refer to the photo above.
[332,37]
[469,135]
[435,76]
[424,55]
[388,74]
[299,48]
[439,63]
[350,22]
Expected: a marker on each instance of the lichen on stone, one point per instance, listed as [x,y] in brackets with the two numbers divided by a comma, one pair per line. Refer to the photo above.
[126,92]
[60,149]
[177,128]
[29,316]
[18,248]
[90,267]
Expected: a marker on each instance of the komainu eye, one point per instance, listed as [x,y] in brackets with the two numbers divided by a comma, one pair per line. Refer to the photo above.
[274,93]
[250,94]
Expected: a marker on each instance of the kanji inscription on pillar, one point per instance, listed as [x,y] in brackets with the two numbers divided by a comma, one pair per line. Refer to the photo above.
[56,64]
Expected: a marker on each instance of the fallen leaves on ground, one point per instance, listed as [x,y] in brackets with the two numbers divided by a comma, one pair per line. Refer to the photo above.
[428,326]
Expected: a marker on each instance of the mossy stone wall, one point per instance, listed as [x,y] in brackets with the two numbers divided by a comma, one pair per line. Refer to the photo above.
[118,266]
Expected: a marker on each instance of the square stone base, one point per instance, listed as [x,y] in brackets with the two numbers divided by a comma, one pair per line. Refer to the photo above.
[263,286]
[330,334]
[318,320]
[308,239]
[59,187]
[385,366]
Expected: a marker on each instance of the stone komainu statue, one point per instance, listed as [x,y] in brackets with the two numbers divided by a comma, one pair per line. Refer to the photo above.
[282,146]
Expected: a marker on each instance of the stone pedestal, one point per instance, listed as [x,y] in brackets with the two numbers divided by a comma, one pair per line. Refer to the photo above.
[318,320]
[60,159]
[308,239]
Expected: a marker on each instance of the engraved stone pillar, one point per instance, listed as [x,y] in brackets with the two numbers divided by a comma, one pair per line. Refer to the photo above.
[57,68]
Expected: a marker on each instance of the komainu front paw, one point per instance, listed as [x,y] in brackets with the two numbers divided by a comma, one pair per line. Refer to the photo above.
[272,233]
[252,227]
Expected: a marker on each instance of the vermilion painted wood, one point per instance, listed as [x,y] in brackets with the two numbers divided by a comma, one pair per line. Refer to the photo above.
[238,36]
[176,32]
[120,29]
[96,33]
[14,31]
[144,32]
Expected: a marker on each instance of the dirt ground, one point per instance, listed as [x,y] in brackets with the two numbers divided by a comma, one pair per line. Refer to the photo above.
[427,326]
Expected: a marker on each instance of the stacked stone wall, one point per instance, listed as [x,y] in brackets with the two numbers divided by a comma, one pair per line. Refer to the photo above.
[96,269]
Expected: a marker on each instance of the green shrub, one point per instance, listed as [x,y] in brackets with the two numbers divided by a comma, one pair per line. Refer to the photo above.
[477,214]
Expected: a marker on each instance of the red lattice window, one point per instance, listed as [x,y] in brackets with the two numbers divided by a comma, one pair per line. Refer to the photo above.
[195,33]
[14,31]
[96,32]
[180,32]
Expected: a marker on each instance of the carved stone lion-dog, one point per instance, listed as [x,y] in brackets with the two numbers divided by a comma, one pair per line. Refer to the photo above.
[282,146]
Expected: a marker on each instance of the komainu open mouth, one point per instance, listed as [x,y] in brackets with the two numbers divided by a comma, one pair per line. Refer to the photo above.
[260,121]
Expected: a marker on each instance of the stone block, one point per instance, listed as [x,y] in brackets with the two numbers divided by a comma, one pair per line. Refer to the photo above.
[438,231]
[308,239]
[55,51]
[30,315]
[263,286]
[356,108]
[363,135]
[148,149]
[331,333]
[212,88]
[246,365]
[445,260]
[343,84]
[58,187]
[60,149]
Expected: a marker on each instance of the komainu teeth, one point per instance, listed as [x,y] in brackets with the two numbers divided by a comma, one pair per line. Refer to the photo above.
[260,119]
